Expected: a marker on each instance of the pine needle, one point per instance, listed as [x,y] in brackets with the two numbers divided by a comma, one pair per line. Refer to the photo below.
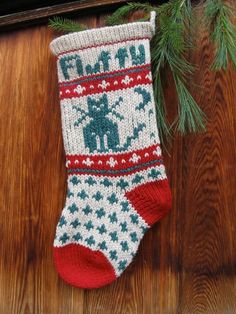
[120,15]
[163,126]
[65,25]
[169,47]
[191,117]
[218,17]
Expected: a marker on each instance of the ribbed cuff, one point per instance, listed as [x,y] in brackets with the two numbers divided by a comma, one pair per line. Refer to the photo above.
[102,35]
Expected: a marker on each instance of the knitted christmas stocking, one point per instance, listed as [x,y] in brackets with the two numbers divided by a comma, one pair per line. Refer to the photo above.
[117,185]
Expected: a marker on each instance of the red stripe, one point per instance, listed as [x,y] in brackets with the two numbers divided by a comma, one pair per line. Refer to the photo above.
[99,85]
[102,45]
[114,161]
[96,76]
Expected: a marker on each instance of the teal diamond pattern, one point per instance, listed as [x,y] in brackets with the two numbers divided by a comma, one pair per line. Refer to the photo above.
[75,181]
[102,245]
[73,208]
[100,212]
[90,181]
[83,195]
[154,174]
[62,221]
[98,196]
[123,226]
[134,237]
[87,210]
[137,179]
[102,229]
[122,265]
[113,217]
[124,206]
[77,236]
[106,182]
[114,236]
[112,199]
[122,184]
[124,246]
[75,223]
[134,218]
[89,225]
[113,255]
[90,241]
[64,238]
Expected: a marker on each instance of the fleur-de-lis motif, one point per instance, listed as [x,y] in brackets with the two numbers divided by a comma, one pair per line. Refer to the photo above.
[88,162]
[135,158]
[104,84]
[79,89]
[127,80]
[112,162]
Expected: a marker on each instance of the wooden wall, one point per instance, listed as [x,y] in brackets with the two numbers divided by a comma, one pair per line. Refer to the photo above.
[185,264]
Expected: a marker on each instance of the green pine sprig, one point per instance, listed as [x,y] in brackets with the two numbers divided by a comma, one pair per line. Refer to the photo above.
[163,125]
[218,17]
[169,46]
[120,15]
[65,25]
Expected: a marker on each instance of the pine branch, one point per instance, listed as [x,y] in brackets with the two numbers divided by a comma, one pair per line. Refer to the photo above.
[169,47]
[218,17]
[65,25]
[120,15]
[163,126]
[191,117]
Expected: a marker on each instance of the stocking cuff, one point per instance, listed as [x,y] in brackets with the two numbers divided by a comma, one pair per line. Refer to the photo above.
[109,34]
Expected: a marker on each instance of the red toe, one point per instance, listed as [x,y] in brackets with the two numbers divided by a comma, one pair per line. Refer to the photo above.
[82,267]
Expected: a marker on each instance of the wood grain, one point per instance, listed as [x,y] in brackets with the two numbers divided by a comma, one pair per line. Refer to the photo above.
[40,14]
[186,263]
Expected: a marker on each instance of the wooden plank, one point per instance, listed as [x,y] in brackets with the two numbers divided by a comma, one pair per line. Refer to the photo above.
[209,202]
[34,16]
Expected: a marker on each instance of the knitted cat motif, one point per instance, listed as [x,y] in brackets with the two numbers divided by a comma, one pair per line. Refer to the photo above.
[101,133]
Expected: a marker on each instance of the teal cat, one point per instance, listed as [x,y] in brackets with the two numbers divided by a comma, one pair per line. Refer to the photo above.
[101,133]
